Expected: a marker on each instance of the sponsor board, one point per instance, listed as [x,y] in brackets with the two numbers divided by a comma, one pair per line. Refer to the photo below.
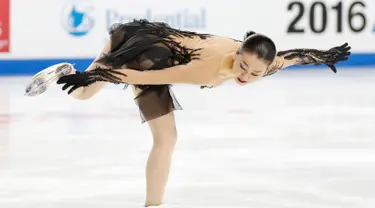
[4,26]
[76,30]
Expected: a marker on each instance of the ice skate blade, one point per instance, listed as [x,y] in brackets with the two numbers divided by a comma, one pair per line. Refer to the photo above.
[42,80]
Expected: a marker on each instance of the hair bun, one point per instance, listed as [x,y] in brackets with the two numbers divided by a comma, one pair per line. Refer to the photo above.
[249,33]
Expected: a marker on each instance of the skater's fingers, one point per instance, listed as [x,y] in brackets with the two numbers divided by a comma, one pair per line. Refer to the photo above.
[66,86]
[344,59]
[344,45]
[60,81]
[64,79]
[333,68]
[73,89]
[343,56]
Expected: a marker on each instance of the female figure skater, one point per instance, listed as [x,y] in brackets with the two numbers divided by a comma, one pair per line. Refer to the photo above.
[152,55]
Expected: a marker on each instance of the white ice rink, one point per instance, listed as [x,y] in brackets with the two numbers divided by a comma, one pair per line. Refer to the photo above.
[298,139]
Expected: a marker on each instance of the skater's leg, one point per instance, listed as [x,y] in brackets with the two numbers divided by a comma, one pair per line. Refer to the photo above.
[159,162]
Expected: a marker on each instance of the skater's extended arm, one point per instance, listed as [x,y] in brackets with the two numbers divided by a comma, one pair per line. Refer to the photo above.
[190,73]
[187,74]
[310,56]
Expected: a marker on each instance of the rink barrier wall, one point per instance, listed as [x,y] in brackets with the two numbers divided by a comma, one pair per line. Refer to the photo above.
[20,67]
[79,28]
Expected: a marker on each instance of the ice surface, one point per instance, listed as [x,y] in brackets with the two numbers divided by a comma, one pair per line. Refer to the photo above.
[298,139]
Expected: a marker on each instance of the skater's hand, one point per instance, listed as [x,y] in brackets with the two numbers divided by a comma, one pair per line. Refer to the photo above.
[75,81]
[337,54]
[84,79]
[314,56]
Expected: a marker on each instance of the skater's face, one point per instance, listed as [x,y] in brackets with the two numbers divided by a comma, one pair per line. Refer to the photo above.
[248,67]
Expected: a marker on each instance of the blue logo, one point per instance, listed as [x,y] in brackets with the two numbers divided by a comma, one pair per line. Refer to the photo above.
[77,18]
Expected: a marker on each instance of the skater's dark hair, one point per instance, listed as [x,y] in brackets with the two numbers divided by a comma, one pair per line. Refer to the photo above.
[259,44]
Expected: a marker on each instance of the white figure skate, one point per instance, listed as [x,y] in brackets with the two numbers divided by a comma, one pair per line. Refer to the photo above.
[42,80]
